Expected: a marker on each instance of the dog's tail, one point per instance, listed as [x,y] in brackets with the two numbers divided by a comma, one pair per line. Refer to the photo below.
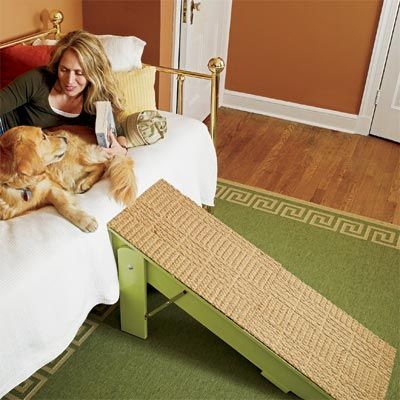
[123,181]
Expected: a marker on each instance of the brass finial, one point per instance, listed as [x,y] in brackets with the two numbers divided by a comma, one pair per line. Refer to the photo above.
[216,64]
[56,17]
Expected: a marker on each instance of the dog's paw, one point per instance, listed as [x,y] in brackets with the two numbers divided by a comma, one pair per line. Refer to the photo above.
[83,187]
[87,223]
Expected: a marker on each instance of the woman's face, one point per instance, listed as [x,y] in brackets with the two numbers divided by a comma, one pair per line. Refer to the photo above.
[70,74]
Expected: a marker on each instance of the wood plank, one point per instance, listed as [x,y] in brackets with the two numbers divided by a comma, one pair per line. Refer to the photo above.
[349,172]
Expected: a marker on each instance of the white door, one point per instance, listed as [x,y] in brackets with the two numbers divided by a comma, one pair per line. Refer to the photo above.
[204,35]
[386,121]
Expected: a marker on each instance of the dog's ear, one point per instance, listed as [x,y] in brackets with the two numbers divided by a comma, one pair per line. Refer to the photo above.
[27,161]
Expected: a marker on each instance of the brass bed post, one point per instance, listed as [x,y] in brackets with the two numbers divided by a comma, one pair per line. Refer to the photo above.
[216,66]
[180,78]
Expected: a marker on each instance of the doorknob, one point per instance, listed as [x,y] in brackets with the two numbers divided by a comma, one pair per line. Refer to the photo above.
[193,7]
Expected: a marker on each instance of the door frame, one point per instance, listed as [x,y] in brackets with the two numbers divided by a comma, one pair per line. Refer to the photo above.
[377,65]
[175,51]
[224,42]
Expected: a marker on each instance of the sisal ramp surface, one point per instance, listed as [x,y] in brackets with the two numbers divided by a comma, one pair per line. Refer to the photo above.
[300,325]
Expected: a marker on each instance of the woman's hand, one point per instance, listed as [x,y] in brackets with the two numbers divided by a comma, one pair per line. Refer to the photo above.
[116,148]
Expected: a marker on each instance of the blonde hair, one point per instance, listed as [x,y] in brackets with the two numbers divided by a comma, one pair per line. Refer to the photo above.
[96,68]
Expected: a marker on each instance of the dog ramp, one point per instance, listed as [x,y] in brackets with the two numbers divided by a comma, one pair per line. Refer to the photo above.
[300,340]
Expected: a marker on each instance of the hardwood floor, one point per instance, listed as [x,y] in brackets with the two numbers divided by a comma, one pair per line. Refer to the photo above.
[354,173]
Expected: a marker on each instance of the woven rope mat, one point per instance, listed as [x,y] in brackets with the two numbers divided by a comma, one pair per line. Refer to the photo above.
[257,293]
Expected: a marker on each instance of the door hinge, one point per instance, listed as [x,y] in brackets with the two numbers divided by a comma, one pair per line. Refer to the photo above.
[184,11]
[377,97]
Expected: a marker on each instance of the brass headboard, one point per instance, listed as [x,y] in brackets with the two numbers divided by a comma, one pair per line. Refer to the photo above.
[215,65]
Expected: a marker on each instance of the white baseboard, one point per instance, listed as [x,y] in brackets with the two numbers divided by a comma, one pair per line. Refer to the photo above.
[315,116]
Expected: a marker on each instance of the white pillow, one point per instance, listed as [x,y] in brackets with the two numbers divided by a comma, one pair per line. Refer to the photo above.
[46,42]
[124,52]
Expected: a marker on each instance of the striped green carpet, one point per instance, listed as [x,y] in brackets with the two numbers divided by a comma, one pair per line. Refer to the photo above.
[353,261]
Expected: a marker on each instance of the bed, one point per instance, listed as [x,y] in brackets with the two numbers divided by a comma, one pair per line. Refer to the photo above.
[52,274]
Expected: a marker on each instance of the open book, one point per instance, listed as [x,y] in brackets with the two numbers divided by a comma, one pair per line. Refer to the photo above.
[105,124]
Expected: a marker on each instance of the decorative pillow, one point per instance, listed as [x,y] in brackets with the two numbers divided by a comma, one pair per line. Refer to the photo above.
[137,86]
[19,59]
[145,127]
[124,52]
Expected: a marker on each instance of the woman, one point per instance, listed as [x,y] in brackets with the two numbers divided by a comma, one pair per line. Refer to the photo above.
[64,93]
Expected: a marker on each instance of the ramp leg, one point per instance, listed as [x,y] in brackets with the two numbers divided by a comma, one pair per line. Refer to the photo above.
[132,274]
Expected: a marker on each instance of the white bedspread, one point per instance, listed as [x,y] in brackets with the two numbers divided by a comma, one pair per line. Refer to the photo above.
[52,274]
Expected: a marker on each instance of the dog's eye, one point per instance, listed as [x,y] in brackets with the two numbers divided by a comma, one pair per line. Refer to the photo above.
[44,137]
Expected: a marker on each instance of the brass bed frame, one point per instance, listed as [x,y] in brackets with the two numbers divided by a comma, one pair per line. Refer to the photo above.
[216,65]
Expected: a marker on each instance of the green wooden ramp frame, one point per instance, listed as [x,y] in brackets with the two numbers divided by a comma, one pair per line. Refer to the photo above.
[136,270]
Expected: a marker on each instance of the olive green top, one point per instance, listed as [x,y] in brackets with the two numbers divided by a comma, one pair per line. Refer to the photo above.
[25,101]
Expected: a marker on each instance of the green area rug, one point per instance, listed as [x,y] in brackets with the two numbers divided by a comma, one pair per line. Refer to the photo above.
[353,261]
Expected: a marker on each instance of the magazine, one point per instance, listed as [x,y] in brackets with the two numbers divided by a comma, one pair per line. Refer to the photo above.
[105,124]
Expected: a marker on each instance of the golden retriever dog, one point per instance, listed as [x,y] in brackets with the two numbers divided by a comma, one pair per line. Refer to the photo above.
[47,168]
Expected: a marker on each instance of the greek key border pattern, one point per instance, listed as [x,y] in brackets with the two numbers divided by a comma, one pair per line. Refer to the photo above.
[312,215]
[28,389]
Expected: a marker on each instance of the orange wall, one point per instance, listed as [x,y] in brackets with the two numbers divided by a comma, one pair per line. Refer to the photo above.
[140,18]
[308,52]
[19,17]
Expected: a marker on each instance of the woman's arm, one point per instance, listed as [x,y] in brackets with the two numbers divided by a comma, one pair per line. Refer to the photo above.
[20,91]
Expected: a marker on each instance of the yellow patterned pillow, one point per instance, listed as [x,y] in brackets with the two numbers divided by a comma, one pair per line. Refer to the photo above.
[137,87]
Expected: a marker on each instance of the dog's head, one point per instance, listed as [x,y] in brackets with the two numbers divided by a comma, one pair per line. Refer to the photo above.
[27,150]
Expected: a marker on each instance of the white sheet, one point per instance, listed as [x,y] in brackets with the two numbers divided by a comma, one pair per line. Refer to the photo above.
[52,274]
